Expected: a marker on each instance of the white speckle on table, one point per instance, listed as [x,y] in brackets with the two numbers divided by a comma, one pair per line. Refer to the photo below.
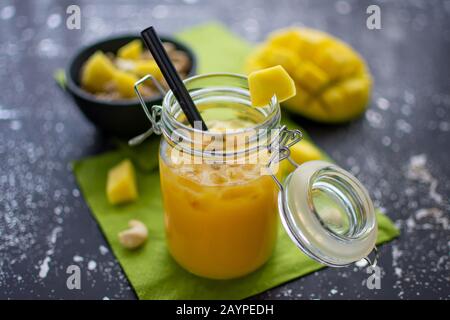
[92,265]
[383,103]
[54,235]
[436,214]
[76,193]
[47,48]
[417,171]
[396,254]
[54,20]
[409,97]
[444,126]
[343,7]
[78,259]
[103,250]
[403,126]
[406,110]
[334,291]
[7,12]
[386,141]
[8,114]
[375,119]
[15,125]
[44,267]
[398,272]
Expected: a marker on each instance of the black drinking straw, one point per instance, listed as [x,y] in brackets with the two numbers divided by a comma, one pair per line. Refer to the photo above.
[169,72]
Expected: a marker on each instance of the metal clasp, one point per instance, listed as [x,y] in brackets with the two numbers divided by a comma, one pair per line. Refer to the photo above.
[279,148]
[152,115]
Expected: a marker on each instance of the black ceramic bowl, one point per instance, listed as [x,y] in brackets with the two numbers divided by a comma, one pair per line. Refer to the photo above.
[120,118]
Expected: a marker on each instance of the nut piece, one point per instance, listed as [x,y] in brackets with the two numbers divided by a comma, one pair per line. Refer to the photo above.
[135,236]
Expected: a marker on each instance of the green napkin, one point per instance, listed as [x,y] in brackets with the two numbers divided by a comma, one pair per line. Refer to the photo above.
[150,269]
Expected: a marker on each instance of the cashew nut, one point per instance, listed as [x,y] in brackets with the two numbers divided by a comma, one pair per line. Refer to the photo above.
[135,236]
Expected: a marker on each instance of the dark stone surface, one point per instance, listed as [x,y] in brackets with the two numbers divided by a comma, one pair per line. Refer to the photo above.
[44,220]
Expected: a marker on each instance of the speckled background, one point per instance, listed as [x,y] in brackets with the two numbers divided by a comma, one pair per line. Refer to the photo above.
[399,150]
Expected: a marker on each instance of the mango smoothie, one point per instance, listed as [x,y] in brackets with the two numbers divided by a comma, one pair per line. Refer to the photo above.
[220,218]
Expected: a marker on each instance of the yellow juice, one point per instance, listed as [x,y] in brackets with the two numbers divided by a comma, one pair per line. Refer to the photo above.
[220,219]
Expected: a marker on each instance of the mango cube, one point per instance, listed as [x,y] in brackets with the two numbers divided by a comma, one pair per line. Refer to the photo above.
[98,71]
[266,83]
[144,67]
[121,185]
[131,51]
[125,83]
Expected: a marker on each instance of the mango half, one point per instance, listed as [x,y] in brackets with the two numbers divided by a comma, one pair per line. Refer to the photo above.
[332,80]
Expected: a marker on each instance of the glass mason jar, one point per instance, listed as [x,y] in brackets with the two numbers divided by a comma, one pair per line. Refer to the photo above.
[222,196]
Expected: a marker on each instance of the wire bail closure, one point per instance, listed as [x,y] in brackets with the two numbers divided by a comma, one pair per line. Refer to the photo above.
[285,139]
[153,114]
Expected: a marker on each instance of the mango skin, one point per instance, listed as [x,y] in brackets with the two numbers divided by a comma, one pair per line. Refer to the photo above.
[98,71]
[332,80]
[264,84]
[121,186]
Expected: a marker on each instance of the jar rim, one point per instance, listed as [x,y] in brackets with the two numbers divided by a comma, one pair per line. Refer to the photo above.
[167,102]
[170,123]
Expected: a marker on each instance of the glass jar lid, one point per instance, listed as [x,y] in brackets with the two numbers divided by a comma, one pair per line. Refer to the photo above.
[328,214]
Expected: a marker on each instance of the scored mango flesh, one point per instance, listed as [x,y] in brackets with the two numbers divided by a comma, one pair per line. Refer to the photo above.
[98,71]
[264,84]
[332,81]
[121,186]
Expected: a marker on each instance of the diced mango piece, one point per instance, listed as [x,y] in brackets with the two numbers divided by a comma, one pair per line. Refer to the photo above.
[332,81]
[125,83]
[121,185]
[310,76]
[97,72]
[131,50]
[144,67]
[266,83]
